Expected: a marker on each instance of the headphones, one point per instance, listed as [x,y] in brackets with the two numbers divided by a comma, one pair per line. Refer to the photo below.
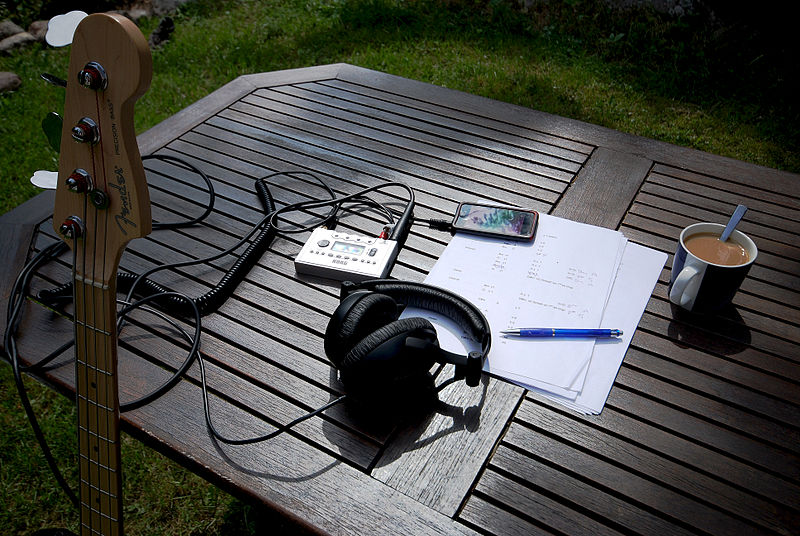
[377,353]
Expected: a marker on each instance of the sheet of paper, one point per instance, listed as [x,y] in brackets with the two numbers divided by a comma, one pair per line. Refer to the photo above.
[571,391]
[637,276]
[562,279]
[633,285]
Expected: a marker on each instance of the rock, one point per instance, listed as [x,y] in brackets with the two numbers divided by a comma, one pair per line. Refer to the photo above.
[15,41]
[137,13]
[9,81]
[162,33]
[8,28]
[38,29]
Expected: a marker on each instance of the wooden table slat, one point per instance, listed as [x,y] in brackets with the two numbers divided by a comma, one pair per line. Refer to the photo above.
[487,516]
[573,491]
[682,495]
[449,109]
[434,129]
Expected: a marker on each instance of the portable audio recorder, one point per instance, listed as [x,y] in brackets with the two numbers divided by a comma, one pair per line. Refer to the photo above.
[346,256]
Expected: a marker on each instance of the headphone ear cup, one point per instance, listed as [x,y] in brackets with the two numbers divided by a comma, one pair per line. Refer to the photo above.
[363,315]
[382,357]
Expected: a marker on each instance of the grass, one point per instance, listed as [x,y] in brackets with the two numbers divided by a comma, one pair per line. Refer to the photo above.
[722,89]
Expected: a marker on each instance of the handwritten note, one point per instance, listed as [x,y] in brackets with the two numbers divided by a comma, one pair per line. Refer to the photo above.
[561,279]
[638,274]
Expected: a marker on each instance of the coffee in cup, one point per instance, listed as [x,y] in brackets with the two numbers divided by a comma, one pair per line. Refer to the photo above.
[710,248]
[706,272]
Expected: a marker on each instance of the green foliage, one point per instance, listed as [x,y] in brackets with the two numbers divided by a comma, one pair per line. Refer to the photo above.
[21,464]
[384,14]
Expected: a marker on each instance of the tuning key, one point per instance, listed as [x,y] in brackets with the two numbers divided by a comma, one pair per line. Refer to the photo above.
[72,228]
[86,131]
[53,79]
[79,181]
[93,76]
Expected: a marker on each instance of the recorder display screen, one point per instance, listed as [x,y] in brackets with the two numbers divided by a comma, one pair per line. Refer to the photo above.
[344,247]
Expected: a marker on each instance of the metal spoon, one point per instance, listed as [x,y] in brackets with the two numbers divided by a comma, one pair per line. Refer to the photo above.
[733,222]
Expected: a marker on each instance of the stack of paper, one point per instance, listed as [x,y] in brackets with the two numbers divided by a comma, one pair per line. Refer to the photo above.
[572,275]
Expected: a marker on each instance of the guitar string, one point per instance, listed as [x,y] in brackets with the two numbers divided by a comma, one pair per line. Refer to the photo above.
[78,371]
[107,340]
[81,352]
[91,367]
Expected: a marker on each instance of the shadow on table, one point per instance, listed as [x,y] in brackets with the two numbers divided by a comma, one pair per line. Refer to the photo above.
[413,417]
[724,332]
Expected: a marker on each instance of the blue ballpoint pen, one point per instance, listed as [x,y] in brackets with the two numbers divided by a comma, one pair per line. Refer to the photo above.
[562,332]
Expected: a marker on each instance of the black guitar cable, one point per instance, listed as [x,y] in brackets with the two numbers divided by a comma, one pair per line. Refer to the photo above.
[16,301]
[194,308]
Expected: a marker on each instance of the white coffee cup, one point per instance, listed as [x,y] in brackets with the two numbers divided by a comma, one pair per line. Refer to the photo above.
[702,286]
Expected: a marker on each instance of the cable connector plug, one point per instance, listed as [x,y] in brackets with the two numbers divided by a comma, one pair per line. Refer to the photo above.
[441,225]
[386,232]
[330,222]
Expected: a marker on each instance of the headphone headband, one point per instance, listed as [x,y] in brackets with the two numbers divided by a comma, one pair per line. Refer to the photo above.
[437,299]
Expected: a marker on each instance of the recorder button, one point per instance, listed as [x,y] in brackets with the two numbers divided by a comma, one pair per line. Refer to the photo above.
[372,252]
[323,243]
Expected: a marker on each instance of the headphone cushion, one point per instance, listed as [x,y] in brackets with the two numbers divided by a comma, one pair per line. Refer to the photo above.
[464,314]
[367,314]
[359,361]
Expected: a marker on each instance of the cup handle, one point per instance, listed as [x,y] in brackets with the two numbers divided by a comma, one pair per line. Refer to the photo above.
[676,295]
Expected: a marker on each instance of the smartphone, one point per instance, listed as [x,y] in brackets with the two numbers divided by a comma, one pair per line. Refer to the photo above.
[490,220]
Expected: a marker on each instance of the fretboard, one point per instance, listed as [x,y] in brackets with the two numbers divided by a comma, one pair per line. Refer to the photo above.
[98,409]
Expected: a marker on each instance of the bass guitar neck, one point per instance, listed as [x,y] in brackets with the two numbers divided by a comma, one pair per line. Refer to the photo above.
[102,203]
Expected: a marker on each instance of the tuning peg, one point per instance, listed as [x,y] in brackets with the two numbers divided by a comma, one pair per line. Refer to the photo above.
[52,125]
[79,181]
[53,79]
[86,131]
[61,28]
[71,228]
[93,76]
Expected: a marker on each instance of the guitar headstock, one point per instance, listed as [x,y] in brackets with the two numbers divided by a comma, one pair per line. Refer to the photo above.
[102,200]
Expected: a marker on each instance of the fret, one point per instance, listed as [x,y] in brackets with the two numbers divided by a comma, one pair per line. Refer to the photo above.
[91,282]
[99,513]
[86,459]
[90,530]
[98,490]
[96,369]
[96,404]
[93,530]
[97,436]
[97,330]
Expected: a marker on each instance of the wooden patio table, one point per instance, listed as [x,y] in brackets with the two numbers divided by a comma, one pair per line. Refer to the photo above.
[700,433]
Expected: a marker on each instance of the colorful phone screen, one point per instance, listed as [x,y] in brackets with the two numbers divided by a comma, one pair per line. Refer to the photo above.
[504,221]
